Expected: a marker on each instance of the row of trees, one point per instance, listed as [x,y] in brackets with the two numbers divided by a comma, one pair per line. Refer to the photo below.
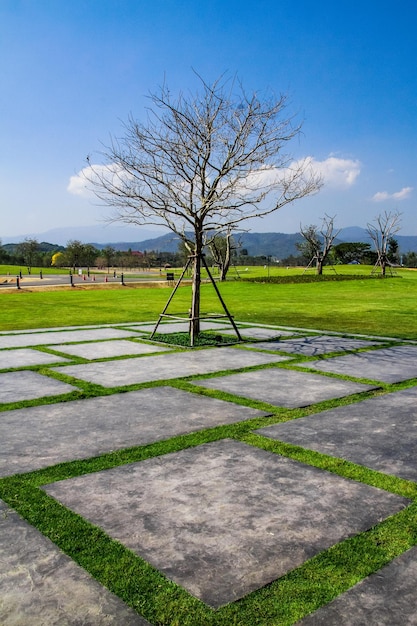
[222,252]
[318,245]
[30,253]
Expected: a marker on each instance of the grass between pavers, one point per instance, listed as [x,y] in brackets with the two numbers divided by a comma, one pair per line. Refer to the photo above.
[161,601]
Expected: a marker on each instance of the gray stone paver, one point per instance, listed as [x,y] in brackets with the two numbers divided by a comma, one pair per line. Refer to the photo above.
[262,333]
[390,365]
[21,385]
[166,366]
[40,436]
[220,541]
[25,357]
[386,598]
[380,433]
[63,336]
[315,345]
[284,387]
[41,586]
[108,349]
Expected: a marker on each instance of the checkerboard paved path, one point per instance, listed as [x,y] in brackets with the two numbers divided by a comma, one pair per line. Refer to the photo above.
[239,516]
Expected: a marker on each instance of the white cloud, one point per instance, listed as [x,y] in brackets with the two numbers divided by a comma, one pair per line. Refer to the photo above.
[334,172]
[337,172]
[78,184]
[82,184]
[381,196]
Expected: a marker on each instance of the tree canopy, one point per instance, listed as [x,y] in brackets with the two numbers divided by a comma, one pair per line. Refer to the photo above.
[203,164]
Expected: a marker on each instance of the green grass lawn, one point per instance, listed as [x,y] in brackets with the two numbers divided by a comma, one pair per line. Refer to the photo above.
[384,307]
[380,306]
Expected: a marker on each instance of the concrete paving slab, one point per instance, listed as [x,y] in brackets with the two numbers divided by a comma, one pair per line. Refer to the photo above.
[166,366]
[25,357]
[257,332]
[380,433]
[41,586]
[284,387]
[220,541]
[47,338]
[37,437]
[310,346]
[108,349]
[17,386]
[386,598]
[390,365]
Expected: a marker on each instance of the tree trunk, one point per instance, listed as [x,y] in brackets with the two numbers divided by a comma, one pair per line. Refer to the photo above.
[224,268]
[195,298]
[319,266]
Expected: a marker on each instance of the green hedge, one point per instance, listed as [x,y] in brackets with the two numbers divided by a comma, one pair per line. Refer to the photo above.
[313,278]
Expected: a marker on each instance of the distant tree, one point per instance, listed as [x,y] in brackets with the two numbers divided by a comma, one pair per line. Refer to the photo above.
[74,253]
[203,164]
[89,254]
[221,248]
[59,259]
[28,249]
[109,254]
[79,254]
[387,224]
[410,259]
[318,242]
[4,255]
[349,251]
[392,252]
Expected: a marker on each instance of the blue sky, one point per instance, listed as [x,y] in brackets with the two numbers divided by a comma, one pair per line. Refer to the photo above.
[72,72]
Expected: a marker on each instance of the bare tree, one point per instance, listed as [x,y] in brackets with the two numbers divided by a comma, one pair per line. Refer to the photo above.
[203,164]
[318,242]
[387,224]
[221,248]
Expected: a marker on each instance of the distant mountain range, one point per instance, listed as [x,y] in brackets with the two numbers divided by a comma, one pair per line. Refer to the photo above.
[278,245]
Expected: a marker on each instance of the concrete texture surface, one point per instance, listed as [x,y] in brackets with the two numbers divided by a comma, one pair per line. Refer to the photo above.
[166,366]
[220,541]
[221,519]
[63,336]
[390,365]
[380,433]
[27,385]
[108,349]
[386,598]
[40,586]
[26,357]
[315,345]
[256,332]
[284,387]
[40,436]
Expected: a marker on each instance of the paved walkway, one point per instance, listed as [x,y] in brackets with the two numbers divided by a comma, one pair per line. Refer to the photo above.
[222,518]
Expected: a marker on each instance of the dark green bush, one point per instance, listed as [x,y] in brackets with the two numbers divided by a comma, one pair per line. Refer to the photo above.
[301,278]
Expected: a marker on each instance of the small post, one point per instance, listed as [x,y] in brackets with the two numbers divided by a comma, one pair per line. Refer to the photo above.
[122,279]
[71,280]
[40,274]
[17,282]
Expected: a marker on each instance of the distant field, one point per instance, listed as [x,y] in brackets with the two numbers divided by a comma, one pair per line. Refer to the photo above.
[383,307]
